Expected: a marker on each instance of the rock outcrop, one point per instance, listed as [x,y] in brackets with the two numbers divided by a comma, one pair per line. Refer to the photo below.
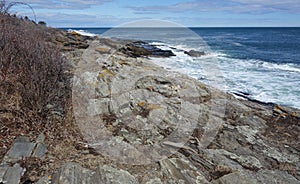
[140,49]
[68,41]
[155,126]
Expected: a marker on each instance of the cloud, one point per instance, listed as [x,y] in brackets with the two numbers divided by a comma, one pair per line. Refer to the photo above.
[64,4]
[233,6]
[67,17]
[232,21]
[82,20]
[288,6]
[179,7]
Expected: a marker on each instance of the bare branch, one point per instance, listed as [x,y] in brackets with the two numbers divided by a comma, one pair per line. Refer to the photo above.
[4,7]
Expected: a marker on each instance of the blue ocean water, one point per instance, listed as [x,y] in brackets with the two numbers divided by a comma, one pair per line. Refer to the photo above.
[278,45]
[261,62]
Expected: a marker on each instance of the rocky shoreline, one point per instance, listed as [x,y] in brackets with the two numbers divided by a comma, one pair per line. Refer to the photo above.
[143,124]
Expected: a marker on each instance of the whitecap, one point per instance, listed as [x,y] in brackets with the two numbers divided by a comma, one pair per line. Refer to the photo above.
[82,32]
[237,44]
[284,67]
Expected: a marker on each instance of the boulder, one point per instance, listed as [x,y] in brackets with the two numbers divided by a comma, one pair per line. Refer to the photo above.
[194,53]
[139,49]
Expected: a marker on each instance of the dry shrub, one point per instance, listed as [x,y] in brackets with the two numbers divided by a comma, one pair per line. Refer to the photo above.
[30,67]
[34,85]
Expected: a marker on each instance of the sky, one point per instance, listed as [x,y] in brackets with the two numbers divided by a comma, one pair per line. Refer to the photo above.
[189,13]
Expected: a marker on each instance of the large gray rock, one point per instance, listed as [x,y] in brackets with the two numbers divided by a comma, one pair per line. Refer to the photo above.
[22,147]
[196,133]
[72,173]
[140,49]
[195,53]
[13,174]
[110,175]
[261,177]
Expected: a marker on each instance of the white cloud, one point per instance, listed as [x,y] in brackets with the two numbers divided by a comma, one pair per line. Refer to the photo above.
[82,20]
[64,4]
[179,7]
[289,6]
[233,6]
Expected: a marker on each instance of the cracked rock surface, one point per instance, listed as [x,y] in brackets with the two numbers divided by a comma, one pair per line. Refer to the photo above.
[154,126]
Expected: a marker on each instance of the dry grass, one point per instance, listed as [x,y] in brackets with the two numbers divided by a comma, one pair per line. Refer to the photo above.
[34,83]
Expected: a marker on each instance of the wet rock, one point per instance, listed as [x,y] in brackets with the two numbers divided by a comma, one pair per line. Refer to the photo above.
[140,49]
[194,53]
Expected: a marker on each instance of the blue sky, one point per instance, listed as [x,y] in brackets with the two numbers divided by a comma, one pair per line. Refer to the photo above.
[192,13]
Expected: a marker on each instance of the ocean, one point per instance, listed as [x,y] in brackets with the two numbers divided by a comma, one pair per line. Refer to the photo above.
[261,63]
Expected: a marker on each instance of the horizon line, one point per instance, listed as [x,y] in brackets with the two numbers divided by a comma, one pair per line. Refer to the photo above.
[107,27]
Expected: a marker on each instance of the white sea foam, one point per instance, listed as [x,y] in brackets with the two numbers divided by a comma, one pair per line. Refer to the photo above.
[237,44]
[264,81]
[285,67]
[82,32]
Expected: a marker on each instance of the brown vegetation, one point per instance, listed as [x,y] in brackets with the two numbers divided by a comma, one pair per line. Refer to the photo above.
[30,68]
[35,89]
